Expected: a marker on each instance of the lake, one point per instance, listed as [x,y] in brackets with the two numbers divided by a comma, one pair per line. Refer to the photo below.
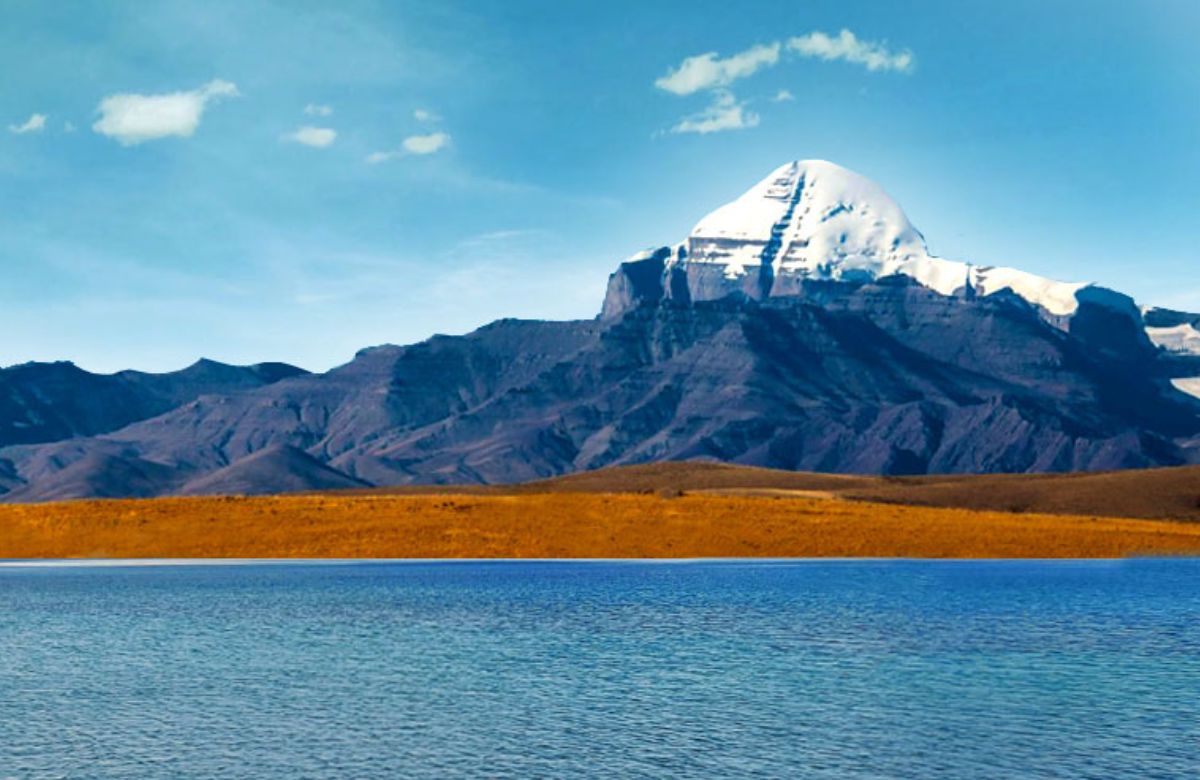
[822,669]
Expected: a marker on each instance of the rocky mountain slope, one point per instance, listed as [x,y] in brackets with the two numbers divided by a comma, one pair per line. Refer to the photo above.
[42,402]
[803,326]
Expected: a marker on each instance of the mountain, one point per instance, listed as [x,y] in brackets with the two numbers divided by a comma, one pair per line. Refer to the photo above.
[274,469]
[41,402]
[802,326]
[97,474]
[1175,334]
[813,220]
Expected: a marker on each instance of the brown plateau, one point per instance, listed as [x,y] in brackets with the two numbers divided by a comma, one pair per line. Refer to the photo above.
[563,525]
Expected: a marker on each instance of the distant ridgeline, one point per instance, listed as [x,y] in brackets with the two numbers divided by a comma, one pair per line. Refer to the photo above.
[802,326]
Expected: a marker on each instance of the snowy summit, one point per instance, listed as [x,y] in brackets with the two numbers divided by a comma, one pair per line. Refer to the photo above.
[814,219]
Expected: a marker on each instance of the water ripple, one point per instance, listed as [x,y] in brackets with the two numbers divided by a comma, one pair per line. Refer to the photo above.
[821,670]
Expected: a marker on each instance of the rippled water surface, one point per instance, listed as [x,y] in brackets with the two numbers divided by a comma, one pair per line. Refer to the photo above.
[806,669]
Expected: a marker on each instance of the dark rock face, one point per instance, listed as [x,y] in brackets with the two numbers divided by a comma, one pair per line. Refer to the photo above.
[874,377]
[1169,318]
[641,281]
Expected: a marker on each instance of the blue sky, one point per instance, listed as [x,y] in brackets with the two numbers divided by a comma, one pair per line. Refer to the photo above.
[254,181]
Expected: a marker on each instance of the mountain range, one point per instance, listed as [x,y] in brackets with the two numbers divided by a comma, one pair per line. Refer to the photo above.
[802,326]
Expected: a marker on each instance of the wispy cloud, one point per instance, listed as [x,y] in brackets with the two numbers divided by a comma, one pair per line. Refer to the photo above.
[426,144]
[319,137]
[850,48]
[413,145]
[34,124]
[425,115]
[316,109]
[708,71]
[132,119]
[724,113]
[711,73]
[493,237]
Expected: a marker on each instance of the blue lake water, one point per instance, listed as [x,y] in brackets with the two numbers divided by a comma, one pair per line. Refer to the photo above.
[734,669]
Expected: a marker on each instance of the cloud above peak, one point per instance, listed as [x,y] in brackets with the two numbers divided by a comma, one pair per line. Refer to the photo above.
[34,124]
[131,118]
[724,113]
[708,71]
[711,73]
[426,144]
[318,137]
[850,48]
[413,145]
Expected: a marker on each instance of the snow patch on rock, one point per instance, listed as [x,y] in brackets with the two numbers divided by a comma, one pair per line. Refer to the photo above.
[1191,386]
[1181,339]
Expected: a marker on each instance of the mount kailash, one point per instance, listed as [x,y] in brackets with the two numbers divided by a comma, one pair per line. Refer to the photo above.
[802,326]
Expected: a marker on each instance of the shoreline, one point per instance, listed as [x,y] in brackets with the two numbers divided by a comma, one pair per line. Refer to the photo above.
[116,563]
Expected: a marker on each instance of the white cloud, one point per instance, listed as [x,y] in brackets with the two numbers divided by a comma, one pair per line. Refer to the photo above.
[132,119]
[425,144]
[847,46]
[319,137]
[34,124]
[414,144]
[425,115]
[315,109]
[707,71]
[724,113]
[68,127]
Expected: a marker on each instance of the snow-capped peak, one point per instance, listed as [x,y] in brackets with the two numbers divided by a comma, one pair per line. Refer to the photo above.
[808,215]
[815,219]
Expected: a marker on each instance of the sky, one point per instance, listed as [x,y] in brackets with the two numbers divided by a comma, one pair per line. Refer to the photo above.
[251,181]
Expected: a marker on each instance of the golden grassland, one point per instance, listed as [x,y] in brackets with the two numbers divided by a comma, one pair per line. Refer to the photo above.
[563,525]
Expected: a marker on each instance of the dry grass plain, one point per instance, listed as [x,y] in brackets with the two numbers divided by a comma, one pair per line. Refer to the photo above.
[564,525]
